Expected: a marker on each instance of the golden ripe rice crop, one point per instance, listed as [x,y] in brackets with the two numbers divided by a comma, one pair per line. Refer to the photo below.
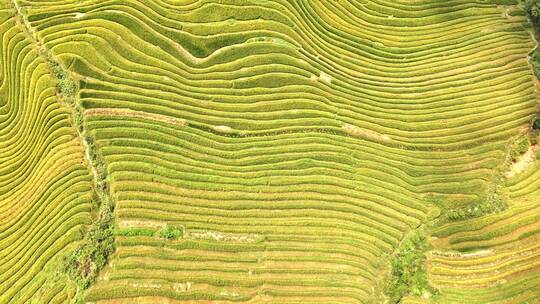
[257,151]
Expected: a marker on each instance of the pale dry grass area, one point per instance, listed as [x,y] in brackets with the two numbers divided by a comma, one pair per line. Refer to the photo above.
[138,114]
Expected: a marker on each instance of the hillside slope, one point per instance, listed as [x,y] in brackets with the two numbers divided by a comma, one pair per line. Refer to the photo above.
[45,185]
[282,151]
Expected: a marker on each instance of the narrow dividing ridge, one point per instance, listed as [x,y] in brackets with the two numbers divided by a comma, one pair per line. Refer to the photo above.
[91,256]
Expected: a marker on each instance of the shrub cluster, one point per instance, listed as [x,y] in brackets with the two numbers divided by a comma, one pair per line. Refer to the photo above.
[532,8]
[84,264]
[66,86]
[492,203]
[408,270]
[523,144]
[170,232]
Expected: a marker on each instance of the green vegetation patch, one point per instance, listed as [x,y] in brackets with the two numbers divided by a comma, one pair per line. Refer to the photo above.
[492,203]
[408,269]
[84,264]
[520,148]
[169,232]
[66,86]
[532,8]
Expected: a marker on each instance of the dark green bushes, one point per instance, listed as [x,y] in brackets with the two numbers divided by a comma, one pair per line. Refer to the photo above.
[66,86]
[84,264]
[536,123]
[408,269]
[532,8]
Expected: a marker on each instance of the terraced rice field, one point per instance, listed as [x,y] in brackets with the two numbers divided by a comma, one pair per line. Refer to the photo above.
[268,151]
[45,186]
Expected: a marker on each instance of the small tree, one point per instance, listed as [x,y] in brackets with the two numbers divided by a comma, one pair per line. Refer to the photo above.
[536,123]
[170,232]
[532,7]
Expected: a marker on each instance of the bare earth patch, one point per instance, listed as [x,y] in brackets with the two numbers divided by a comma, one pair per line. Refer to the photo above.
[223,129]
[523,162]
[182,287]
[141,300]
[222,237]
[364,133]
[457,254]
[479,253]
[187,54]
[139,114]
[192,59]
[140,223]
[323,77]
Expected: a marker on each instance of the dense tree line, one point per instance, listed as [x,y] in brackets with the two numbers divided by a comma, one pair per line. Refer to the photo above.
[532,7]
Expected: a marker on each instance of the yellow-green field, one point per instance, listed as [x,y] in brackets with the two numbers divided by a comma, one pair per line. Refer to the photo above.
[259,151]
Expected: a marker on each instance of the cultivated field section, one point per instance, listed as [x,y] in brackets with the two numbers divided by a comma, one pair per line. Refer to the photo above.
[252,151]
[45,186]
